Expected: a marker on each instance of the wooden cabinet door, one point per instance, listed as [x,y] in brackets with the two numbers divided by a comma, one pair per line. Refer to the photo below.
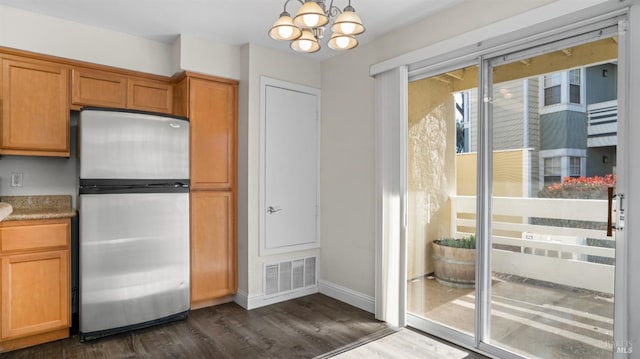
[35,108]
[98,88]
[35,293]
[212,113]
[148,95]
[213,246]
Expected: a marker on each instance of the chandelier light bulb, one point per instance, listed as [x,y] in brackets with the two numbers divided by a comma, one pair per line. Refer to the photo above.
[342,42]
[285,31]
[347,28]
[305,45]
[311,20]
[311,15]
[348,22]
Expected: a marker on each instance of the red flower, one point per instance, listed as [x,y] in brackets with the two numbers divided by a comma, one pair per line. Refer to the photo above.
[580,187]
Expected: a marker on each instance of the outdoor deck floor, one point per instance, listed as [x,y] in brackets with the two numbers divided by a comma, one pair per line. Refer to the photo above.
[530,319]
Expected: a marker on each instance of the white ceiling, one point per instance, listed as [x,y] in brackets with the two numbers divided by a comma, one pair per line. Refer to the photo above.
[234,22]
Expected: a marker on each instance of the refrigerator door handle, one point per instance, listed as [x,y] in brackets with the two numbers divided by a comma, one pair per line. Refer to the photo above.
[168,184]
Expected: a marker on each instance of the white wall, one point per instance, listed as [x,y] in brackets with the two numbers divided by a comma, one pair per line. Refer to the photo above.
[57,37]
[459,19]
[347,179]
[43,175]
[52,36]
[210,58]
[347,149]
[256,62]
[348,124]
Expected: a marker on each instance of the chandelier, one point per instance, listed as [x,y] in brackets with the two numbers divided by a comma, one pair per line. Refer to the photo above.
[308,26]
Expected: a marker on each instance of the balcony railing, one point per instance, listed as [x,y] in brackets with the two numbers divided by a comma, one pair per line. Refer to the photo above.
[546,239]
[603,124]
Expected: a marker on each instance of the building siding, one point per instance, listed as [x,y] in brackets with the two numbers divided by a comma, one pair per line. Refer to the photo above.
[508,105]
[533,110]
[600,88]
[564,129]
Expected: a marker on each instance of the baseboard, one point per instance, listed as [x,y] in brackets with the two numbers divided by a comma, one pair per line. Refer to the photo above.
[347,295]
[242,299]
[329,289]
[257,301]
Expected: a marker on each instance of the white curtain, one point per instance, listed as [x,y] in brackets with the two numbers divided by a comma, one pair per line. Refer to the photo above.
[391,102]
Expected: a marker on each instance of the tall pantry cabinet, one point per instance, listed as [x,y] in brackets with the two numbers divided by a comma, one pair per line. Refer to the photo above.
[211,105]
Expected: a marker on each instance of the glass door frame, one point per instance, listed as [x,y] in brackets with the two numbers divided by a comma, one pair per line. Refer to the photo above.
[613,25]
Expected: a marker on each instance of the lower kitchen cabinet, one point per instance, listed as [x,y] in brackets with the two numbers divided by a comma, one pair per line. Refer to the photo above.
[213,247]
[36,306]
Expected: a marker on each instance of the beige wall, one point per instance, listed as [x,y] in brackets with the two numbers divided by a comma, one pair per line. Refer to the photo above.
[436,172]
[508,173]
[348,134]
[256,62]
[431,169]
[347,173]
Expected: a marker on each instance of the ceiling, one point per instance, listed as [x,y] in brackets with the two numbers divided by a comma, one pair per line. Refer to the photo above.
[234,22]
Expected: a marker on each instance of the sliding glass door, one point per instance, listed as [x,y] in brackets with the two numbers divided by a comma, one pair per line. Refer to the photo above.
[441,174]
[553,151]
[511,203]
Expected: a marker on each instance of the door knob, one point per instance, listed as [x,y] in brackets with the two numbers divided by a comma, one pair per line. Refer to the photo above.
[272,209]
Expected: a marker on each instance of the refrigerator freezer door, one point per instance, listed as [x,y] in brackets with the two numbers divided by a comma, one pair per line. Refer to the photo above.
[134,258]
[131,145]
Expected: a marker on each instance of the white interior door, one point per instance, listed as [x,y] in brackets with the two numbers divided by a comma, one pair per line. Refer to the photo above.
[290,115]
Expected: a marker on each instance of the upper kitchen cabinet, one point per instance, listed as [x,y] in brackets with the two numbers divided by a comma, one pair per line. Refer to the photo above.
[98,88]
[35,108]
[93,87]
[149,95]
[211,105]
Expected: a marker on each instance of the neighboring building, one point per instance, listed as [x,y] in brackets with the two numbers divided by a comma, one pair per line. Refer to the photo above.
[568,121]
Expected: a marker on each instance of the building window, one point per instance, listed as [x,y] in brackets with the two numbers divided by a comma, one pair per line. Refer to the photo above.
[552,89]
[562,88]
[552,170]
[574,166]
[574,86]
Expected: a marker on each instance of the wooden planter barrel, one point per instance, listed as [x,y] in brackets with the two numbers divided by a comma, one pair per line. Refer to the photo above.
[455,267]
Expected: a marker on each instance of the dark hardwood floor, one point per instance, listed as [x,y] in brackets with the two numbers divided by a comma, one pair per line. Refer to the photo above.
[300,328]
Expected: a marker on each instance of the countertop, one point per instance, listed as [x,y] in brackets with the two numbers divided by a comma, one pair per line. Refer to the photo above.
[5,210]
[39,207]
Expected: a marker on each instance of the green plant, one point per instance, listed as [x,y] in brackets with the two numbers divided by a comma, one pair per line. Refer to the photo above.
[468,242]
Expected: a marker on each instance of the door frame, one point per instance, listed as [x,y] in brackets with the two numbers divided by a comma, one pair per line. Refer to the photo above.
[388,144]
[262,207]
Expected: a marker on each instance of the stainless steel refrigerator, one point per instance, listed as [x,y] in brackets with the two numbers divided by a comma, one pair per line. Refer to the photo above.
[134,220]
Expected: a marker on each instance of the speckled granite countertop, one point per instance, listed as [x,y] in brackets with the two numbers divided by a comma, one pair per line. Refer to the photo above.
[39,207]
